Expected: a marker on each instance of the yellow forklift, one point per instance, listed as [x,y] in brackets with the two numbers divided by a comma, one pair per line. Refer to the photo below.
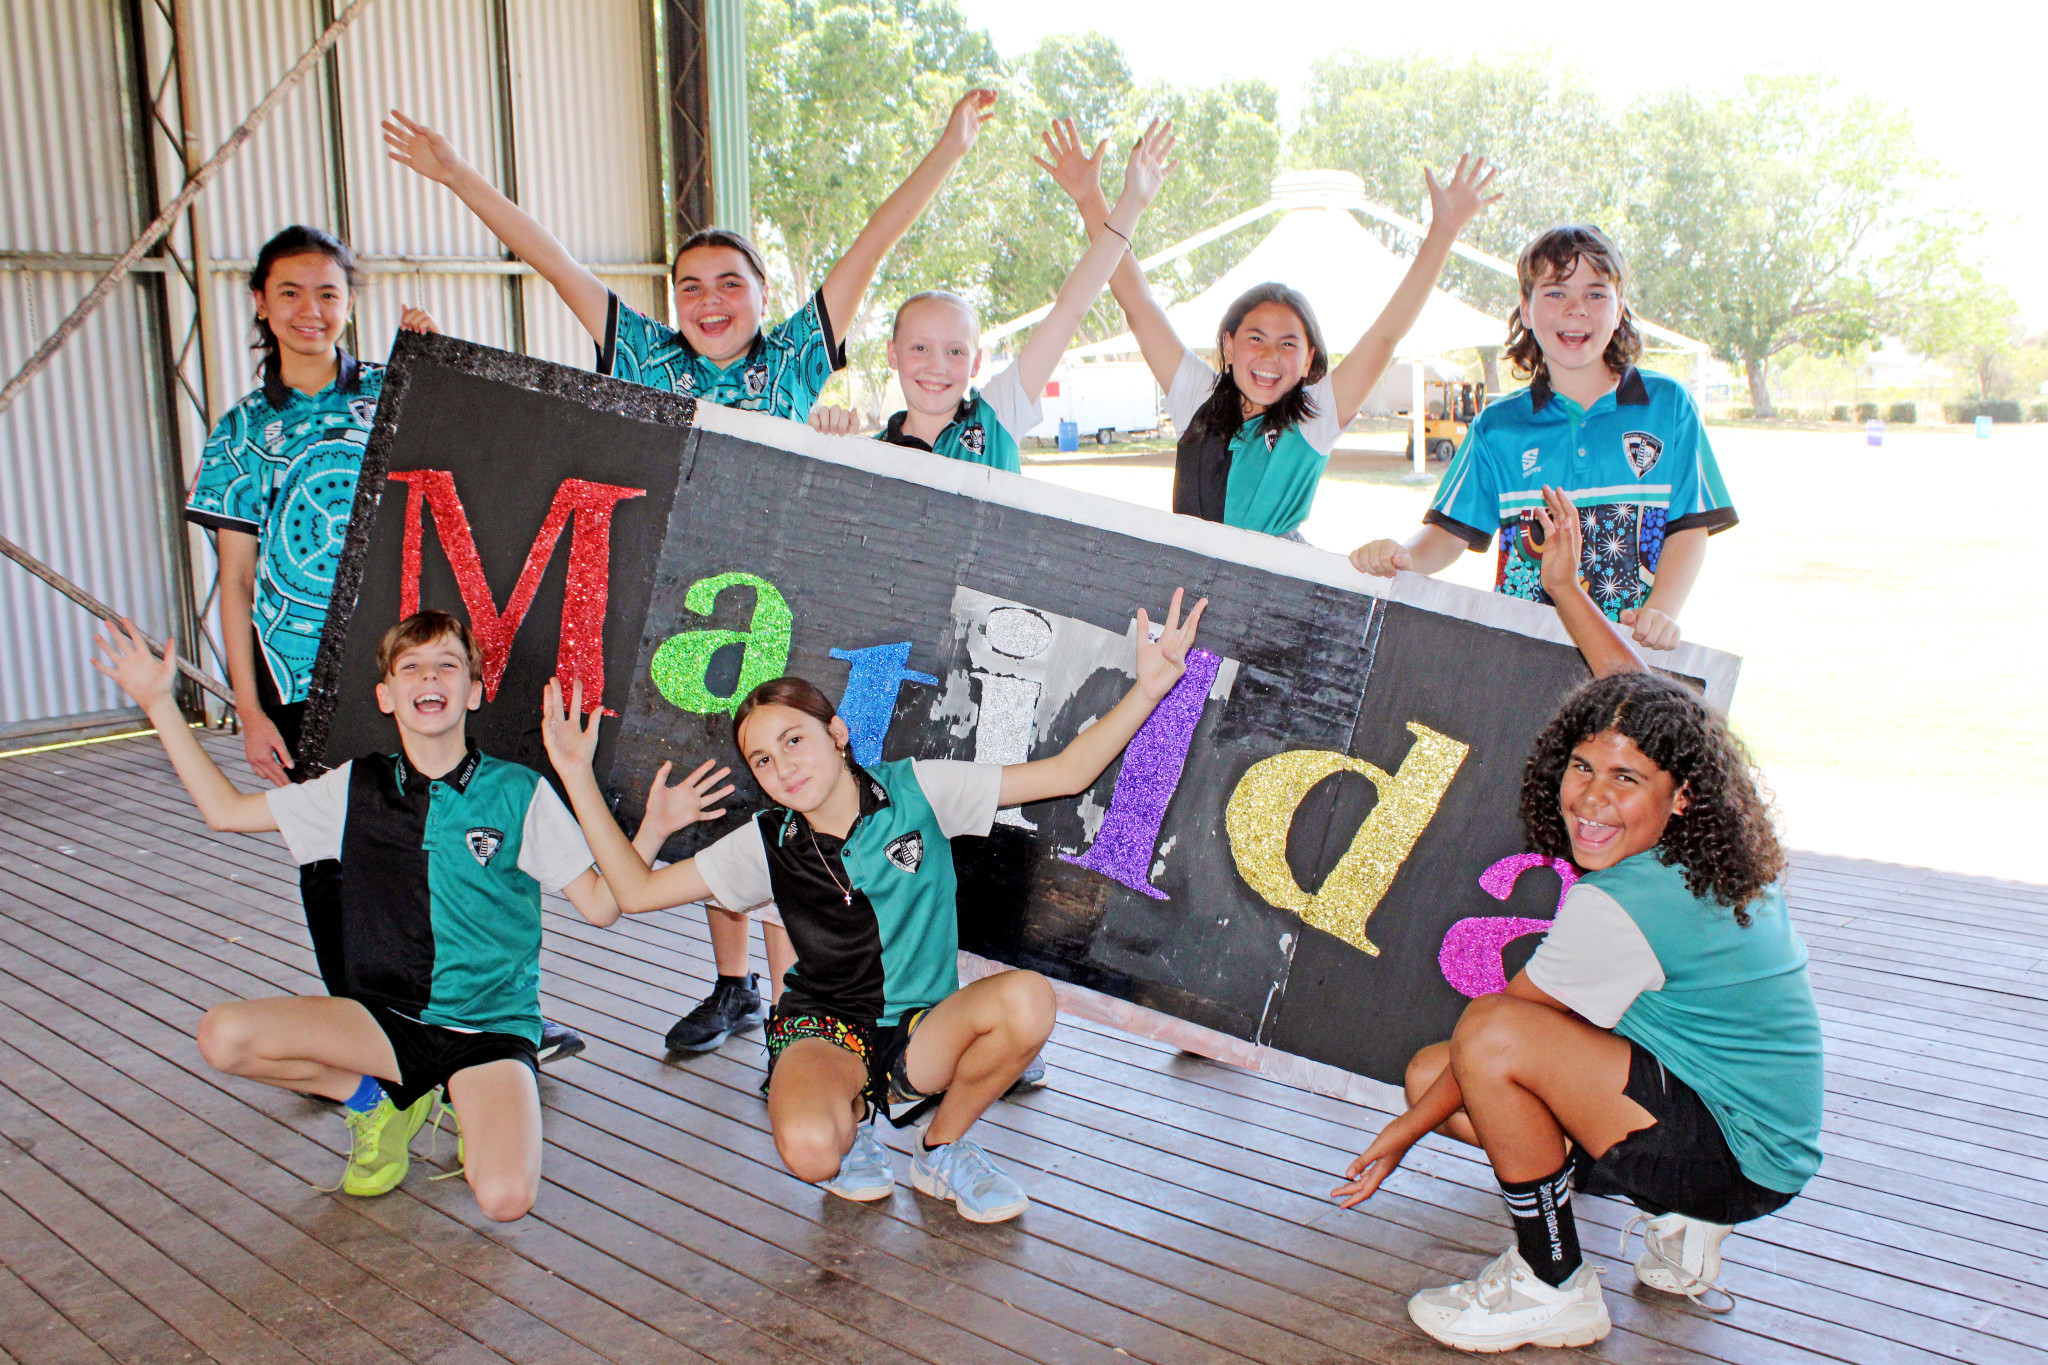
[1447,411]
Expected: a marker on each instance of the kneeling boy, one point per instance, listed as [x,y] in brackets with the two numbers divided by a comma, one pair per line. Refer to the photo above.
[444,854]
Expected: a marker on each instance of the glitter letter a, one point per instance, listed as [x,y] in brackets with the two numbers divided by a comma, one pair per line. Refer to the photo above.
[581,653]
[1470,957]
[1262,808]
[679,665]
[1145,784]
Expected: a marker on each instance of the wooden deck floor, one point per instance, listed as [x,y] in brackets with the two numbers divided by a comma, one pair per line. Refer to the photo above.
[152,1211]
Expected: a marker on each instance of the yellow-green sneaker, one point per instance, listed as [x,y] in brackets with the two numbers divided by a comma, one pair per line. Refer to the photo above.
[381,1145]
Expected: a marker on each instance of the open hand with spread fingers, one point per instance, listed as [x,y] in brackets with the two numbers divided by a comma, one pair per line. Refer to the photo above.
[1162,661]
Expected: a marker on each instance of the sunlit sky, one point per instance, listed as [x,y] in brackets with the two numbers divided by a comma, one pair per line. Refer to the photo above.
[1967,71]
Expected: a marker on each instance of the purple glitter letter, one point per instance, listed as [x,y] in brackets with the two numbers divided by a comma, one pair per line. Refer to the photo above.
[1470,959]
[1145,784]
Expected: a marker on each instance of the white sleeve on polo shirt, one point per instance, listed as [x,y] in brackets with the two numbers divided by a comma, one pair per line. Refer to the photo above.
[1017,410]
[1595,960]
[310,815]
[962,795]
[552,849]
[1321,431]
[1192,384]
[736,869]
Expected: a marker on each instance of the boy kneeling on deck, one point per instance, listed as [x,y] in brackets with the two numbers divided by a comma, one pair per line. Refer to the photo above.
[444,854]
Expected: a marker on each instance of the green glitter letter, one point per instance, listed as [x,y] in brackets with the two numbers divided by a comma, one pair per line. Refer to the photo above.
[680,663]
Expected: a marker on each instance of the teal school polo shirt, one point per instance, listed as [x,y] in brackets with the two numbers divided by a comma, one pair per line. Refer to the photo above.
[985,430]
[781,374]
[1637,463]
[282,466]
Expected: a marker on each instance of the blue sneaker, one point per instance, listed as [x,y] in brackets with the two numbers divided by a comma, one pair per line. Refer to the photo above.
[1032,1078]
[961,1171]
[864,1172]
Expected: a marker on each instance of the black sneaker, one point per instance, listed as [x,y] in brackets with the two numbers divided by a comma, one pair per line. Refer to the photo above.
[718,1015]
[558,1042]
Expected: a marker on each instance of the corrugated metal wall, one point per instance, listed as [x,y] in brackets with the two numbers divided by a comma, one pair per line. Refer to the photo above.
[573,87]
[78,451]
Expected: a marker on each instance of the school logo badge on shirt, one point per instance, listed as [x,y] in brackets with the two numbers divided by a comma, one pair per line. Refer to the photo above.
[1530,458]
[974,437]
[1642,449]
[362,409]
[756,380]
[484,844]
[906,852]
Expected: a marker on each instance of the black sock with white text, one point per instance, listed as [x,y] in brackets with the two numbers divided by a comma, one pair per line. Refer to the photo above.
[1545,1232]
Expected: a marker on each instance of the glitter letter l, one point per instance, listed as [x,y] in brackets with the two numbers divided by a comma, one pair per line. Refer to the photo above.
[1145,784]
[1262,808]
[868,705]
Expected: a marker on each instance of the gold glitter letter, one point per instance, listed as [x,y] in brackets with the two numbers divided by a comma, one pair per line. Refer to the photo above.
[1262,808]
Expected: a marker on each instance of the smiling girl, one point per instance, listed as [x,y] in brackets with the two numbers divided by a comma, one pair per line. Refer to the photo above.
[1662,1045]
[1254,439]
[859,861]
[936,352]
[276,485]
[717,350]
[1626,444]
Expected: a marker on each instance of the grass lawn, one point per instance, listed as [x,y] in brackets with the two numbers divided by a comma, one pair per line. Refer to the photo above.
[1895,664]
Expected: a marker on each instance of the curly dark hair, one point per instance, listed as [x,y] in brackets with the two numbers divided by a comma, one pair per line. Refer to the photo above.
[1554,256]
[1724,840]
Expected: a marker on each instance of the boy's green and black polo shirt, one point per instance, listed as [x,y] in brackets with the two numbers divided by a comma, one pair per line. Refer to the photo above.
[781,374]
[440,882]
[873,916]
[986,428]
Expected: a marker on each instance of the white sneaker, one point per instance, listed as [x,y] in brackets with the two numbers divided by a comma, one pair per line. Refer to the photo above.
[1681,1255]
[1507,1306]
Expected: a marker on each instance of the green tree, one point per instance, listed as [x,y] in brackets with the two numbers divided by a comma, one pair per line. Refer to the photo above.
[1387,118]
[1952,311]
[1757,221]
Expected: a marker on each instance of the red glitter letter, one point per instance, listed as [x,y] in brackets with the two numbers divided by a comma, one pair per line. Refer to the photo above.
[590,547]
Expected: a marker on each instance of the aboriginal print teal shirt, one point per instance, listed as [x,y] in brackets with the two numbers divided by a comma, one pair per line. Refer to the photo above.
[1637,463]
[282,467]
[781,374]
[986,429]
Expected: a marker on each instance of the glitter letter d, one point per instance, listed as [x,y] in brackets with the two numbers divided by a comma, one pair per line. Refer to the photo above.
[1263,806]
[679,665]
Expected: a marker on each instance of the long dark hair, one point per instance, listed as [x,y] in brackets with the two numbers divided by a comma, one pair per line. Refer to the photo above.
[1223,414]
[1723,840]
[1554,256]
[296,240]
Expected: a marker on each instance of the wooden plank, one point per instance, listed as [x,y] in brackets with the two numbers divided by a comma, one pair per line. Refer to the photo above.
[36,1333]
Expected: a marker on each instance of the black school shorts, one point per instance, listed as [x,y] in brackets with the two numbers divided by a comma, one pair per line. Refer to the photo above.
[881,1050]
[1679,1164]
[429,1054]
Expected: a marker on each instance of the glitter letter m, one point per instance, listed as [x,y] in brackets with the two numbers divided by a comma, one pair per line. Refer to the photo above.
[591,505]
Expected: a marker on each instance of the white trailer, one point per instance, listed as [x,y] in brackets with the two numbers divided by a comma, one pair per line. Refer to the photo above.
[1103,399]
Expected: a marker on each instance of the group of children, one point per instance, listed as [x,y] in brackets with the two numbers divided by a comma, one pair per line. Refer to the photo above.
[1662,1044]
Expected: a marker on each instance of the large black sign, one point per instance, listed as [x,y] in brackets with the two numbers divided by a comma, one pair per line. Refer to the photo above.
[1312,846]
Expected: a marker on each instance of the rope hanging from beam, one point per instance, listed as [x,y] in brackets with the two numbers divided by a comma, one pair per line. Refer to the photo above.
[199,181]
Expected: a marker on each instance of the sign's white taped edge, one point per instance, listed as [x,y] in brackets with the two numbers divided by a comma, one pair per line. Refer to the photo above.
[1716,668]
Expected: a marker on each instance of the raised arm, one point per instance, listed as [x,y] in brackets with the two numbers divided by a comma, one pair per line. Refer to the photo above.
[1607,652]
[848,282]
[1452,205]
[149,681]
[1079,173]
[1145,172]
[635,886]
[668,810]
[1075,768]
[420,148]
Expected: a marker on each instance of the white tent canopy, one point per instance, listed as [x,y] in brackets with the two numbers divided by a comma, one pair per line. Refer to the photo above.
[1320,248]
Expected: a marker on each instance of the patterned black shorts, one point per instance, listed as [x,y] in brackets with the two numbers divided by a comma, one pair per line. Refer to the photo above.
[881,1050]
